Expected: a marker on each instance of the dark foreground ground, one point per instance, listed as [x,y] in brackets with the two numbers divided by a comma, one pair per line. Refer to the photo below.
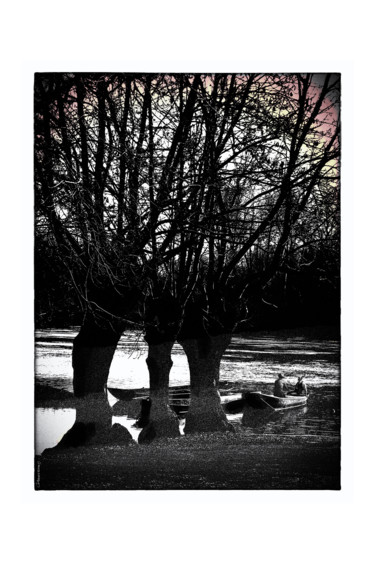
[201,461]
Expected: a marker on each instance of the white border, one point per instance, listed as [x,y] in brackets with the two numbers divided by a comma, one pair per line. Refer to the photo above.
[237,496]
[325,525]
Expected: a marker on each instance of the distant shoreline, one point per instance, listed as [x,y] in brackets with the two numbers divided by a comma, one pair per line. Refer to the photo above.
[312,331]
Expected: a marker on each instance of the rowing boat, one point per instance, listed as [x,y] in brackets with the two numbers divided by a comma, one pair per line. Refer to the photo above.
[259,400]
[178,398]
[175,392]
[129,394]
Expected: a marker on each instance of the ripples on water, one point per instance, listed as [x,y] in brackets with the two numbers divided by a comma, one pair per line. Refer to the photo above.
[248,360]
[251,361]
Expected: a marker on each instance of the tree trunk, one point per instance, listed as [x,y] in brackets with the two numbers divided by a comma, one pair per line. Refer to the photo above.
[163,421]
[93,424]
[162,315]
[204,355]
[93,351]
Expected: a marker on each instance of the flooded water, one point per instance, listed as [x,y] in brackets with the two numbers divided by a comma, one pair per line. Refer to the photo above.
[50,426]
[251,361]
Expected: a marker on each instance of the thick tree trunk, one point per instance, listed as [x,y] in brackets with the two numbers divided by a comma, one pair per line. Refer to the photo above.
[162,315]
[91,366]
[204,355]
[93,424]
[248,415]
[93,351]
[163,422]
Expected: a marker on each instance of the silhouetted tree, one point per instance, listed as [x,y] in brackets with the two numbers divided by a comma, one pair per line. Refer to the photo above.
[174,200]
[260,211]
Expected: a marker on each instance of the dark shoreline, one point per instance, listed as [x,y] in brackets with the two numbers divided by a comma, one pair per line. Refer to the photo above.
[240,460]
[198,462]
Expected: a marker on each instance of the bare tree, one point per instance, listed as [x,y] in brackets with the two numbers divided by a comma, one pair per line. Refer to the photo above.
[107,152]
[260,194]
[161,191]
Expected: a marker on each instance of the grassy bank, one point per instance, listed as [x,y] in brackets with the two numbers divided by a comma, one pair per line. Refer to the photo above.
[202,461]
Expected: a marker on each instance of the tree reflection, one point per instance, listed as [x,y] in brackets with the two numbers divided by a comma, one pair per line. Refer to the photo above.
[93,424]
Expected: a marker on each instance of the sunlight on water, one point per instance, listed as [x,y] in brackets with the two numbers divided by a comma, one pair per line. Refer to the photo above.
[128,423]
[50,426]
[251,362]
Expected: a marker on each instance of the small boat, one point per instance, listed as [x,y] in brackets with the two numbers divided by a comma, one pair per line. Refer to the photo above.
[130,394]
[259,400]
[179,397]
[233,404]
[175,392]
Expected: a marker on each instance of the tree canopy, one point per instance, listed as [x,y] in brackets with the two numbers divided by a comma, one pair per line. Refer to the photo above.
[202,187]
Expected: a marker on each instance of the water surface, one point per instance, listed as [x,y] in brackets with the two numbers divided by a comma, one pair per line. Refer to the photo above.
[251,361]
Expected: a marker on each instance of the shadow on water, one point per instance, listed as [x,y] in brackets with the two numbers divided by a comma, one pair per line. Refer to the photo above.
[320,417]
[251,362]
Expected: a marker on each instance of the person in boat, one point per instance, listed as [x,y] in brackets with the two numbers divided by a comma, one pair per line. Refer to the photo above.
[280,389]
[301,387]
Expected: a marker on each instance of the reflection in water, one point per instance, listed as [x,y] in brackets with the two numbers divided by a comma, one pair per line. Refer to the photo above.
[50,427]
[321,417]
[128,423]
[249,358]
[250,362]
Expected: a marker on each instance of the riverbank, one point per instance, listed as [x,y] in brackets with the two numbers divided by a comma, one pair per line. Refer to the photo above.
[202,461]
[296,449]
